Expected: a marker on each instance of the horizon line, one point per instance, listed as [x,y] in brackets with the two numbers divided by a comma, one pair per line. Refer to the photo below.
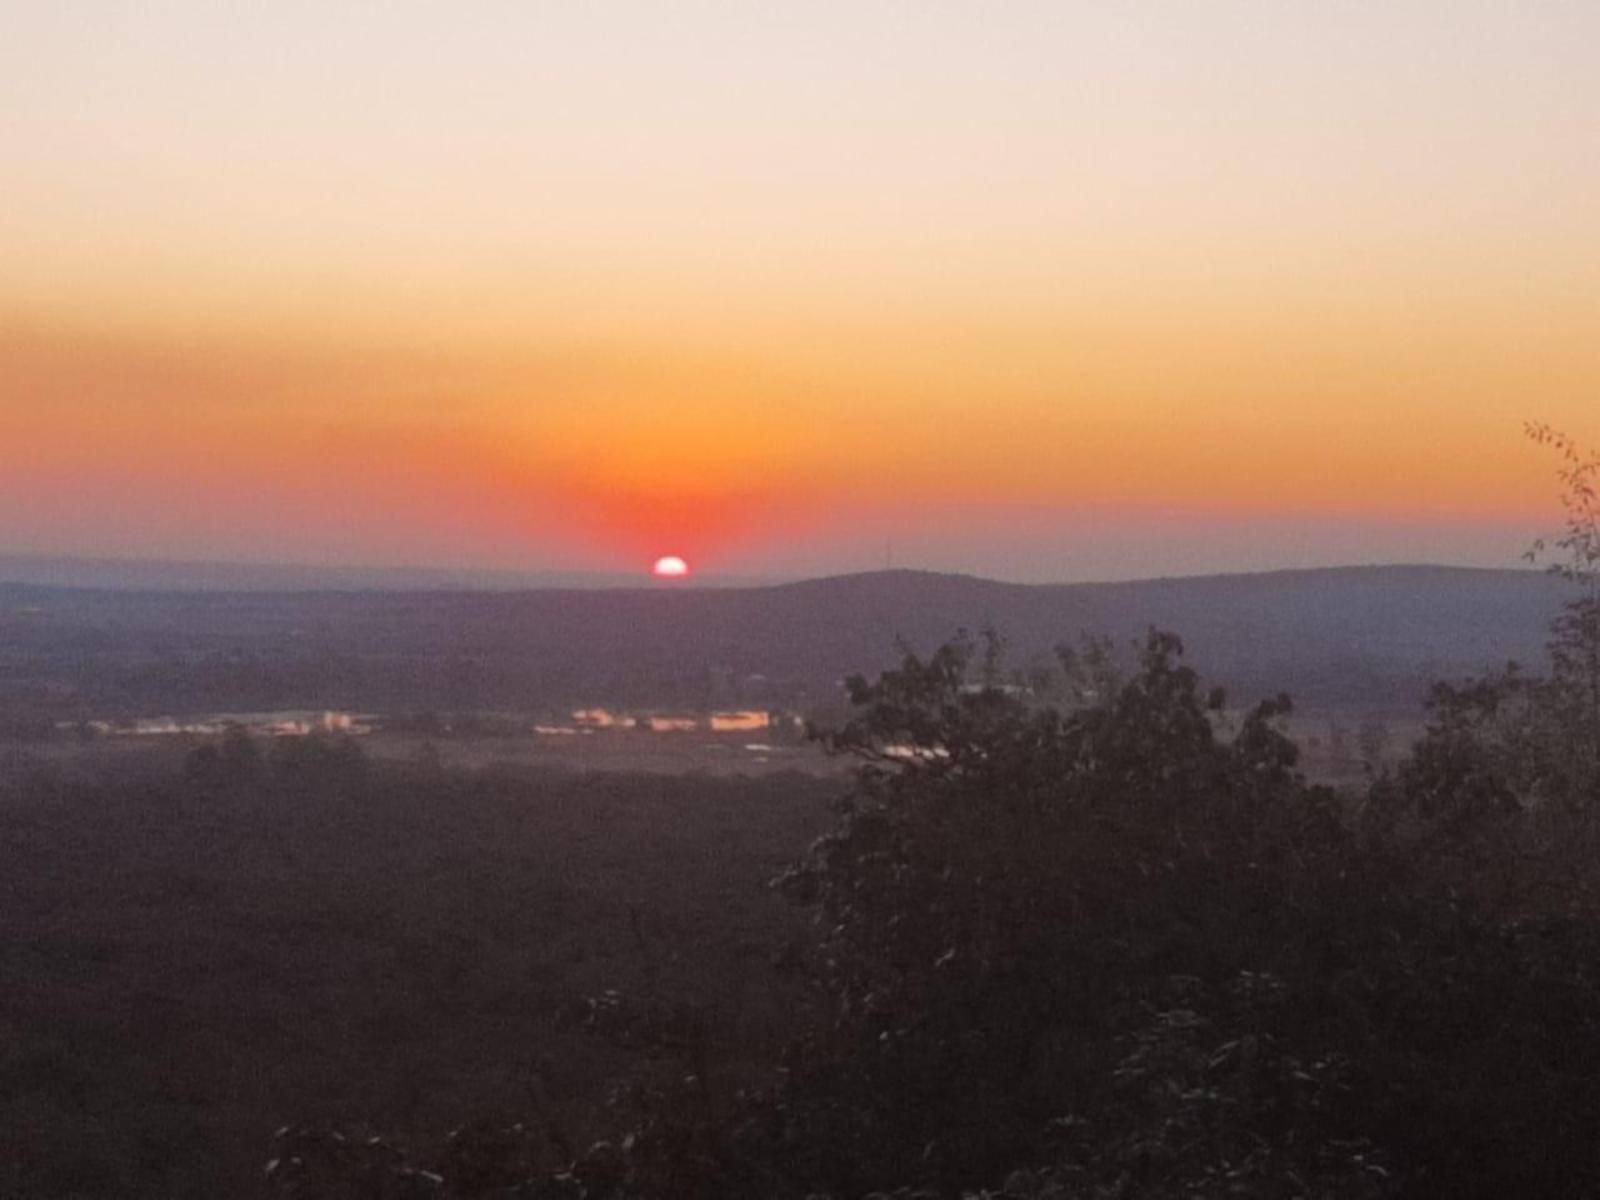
[77,572]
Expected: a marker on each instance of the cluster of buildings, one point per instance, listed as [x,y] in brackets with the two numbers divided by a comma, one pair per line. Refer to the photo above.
[277,724]
[303,724]
[594,720]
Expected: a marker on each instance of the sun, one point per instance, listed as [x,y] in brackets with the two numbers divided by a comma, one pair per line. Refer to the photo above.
[670,566]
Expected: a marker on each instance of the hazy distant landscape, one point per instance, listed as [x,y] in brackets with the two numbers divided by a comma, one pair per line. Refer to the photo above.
[717,680]
[1362,636]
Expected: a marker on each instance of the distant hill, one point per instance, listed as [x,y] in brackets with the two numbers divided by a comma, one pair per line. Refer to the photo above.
[1371,636]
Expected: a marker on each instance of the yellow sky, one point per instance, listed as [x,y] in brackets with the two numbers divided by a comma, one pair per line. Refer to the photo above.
[773,284]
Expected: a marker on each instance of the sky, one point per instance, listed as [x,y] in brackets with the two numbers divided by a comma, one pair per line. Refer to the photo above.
[1042,291]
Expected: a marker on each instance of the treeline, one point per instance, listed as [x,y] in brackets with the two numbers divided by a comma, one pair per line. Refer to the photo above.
[67,687]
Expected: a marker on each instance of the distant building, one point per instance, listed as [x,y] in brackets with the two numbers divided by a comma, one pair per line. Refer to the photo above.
[674,724]
[740,722]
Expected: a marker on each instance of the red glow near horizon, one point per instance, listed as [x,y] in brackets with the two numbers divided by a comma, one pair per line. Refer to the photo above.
[670,566]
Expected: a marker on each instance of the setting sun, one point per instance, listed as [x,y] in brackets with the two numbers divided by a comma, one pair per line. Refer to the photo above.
[670,566]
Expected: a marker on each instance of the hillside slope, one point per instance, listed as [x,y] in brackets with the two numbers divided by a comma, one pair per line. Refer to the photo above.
[1361,635]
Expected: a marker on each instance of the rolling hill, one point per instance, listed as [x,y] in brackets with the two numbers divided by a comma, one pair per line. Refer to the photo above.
[1369,636]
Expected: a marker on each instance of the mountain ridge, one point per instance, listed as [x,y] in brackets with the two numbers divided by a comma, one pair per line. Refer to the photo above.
[1343,635]
[92,573]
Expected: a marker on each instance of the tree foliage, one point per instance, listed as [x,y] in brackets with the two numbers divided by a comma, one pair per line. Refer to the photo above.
[1119,947]
[1575,635]
[1081,932]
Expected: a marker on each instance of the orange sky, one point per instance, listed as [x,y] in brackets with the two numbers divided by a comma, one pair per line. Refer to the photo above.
[1047,291]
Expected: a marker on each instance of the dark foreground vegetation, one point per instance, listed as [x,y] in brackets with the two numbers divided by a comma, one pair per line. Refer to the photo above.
[190,958]
[1112,945]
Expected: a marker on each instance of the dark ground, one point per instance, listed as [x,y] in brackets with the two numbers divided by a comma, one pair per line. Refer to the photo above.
[181,973]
